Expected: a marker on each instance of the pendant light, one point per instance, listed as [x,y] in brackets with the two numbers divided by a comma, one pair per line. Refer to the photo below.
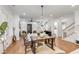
[42,15]
[42,10]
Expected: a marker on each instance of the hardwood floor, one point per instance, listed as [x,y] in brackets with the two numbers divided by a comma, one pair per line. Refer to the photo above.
[67,46]
[18,47]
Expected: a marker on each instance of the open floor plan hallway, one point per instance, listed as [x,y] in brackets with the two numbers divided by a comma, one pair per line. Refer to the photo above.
[65,47]
[44,29]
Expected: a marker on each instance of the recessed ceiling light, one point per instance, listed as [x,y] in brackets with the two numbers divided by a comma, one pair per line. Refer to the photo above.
[51,15]
[73,5]
[41,17]
[24,13]
[0,11]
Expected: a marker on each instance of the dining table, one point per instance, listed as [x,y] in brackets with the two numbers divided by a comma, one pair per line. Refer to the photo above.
[48,40]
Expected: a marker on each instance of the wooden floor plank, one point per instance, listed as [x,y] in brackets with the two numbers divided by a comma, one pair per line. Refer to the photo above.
[18,47]
[67,46]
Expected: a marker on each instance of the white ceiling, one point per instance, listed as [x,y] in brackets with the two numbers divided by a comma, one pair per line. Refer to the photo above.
[35,11]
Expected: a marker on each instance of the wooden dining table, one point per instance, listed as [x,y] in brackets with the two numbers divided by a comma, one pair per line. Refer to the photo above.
[48,40]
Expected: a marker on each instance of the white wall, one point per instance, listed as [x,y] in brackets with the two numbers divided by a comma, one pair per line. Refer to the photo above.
[77,22]
[6,16]
[16,25]
[13,20]
[37,25]
[67,20]
[51,25]
[23,26]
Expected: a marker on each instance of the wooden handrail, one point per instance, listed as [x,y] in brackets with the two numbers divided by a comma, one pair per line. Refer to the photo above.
[69,26]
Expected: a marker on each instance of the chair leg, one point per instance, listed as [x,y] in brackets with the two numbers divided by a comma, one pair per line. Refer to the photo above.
[34,50]
[33,47]
[25,49]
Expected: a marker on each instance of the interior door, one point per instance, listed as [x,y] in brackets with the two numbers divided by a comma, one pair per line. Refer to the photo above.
[29,27]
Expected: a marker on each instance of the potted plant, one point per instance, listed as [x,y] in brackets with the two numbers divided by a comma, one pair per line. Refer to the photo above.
[3,28]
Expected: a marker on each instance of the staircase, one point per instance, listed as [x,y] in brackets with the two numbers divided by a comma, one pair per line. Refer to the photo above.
[69,30]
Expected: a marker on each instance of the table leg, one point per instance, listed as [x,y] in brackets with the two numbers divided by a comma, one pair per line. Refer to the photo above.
[52,44]
[45,41]
[48,41]
[25,49]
